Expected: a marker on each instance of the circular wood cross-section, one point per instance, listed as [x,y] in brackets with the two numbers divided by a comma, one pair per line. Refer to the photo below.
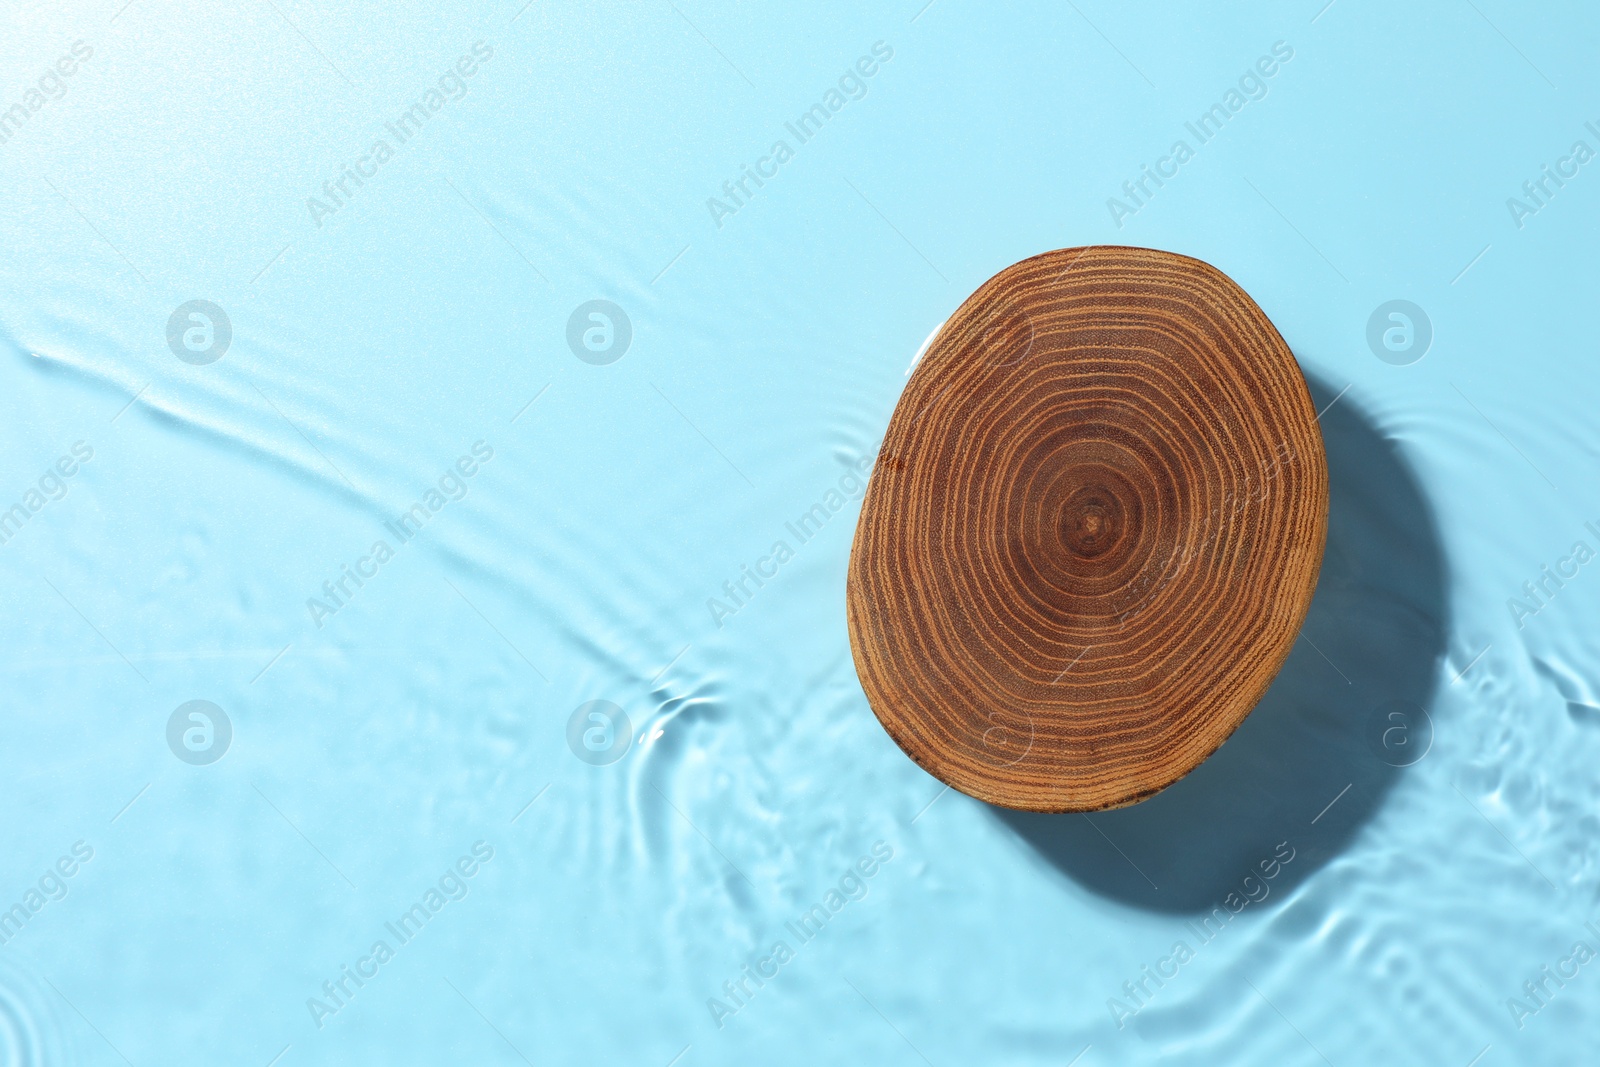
[1092,533]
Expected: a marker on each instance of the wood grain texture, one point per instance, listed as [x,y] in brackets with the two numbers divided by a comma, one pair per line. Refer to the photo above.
[1093,531]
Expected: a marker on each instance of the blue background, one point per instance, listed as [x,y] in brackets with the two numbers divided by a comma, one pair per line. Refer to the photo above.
[430,712]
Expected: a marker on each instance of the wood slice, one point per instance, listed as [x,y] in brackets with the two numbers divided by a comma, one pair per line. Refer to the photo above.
[1093,531]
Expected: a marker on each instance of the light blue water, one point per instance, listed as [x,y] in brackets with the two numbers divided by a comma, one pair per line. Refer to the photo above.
[381,737]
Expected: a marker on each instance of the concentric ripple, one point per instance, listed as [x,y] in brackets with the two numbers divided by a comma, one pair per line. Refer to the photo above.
[28,1032]
[1093,531]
